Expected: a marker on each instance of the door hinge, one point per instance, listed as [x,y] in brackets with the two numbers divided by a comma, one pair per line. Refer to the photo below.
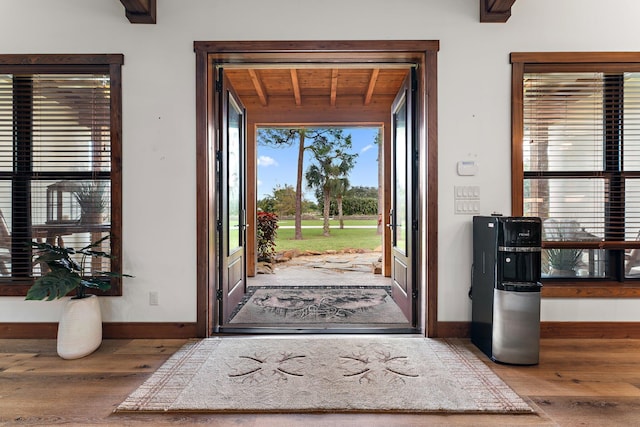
[414,294]
[219,86]
[218,155]
[219,294]
[219,225]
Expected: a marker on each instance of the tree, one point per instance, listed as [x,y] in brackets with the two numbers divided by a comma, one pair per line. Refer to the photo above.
[332,161]
[363,192]
[378,142]
[339,187]
[285,200]
[281,137]
[267,204]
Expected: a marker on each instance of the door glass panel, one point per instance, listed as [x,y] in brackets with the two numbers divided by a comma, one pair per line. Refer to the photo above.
[400,179]
[234,178]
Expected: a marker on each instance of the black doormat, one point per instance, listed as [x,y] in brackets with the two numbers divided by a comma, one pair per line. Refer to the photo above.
[318,304]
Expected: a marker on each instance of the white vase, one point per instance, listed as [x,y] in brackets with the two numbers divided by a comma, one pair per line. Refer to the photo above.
[80,328]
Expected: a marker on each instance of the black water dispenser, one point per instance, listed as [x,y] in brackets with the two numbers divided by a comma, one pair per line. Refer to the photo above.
[505,288]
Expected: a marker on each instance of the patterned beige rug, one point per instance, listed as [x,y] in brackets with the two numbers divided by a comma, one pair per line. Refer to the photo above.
[325,374]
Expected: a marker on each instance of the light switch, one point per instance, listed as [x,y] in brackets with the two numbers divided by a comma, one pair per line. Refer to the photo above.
[466,200]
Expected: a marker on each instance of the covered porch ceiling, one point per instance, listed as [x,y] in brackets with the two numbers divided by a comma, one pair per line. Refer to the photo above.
[317,93]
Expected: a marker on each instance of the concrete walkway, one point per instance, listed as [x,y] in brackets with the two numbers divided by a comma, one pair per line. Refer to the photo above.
[324,270]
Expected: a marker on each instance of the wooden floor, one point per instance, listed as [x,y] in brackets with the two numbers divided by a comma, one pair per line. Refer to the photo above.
[577,383]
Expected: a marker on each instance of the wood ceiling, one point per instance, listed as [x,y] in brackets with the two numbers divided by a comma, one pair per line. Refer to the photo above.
[320,88]
[144,11]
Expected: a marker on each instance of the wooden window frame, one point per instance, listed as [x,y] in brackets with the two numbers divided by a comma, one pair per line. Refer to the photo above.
[110,64]
[554,62]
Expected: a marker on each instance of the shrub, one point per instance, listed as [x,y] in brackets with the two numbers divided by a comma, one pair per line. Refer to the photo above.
[266,234]
[355,206]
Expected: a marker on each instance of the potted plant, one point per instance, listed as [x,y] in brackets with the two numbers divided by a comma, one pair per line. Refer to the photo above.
[93,200]
[566,261]
[65,270]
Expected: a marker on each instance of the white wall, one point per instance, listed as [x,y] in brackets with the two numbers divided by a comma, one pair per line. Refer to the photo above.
[159,124]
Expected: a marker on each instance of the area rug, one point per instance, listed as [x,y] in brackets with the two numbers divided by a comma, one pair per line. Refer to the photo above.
[325,374]
[318,304]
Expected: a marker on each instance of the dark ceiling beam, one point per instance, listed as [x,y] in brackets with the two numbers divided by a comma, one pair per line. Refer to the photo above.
[140,11]
[495,10]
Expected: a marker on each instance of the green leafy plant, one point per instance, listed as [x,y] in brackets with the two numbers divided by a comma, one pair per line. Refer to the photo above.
[266,235]
[66,271]
[564,259]
[92,198]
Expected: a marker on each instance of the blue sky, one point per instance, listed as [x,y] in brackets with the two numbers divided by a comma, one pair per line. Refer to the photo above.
[278,166]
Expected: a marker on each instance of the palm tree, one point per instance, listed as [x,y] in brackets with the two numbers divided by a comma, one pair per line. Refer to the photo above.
[281,137]
[332,162]
[339,187]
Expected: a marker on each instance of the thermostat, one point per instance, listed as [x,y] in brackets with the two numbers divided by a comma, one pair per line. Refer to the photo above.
[467,167]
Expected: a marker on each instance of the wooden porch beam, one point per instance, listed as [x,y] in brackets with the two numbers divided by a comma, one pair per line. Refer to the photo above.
[372,85]
[495,10]
[296,86]
[334,86]
[257,84]
[140,11]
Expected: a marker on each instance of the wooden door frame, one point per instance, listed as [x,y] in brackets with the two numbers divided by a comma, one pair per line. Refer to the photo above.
[420,52]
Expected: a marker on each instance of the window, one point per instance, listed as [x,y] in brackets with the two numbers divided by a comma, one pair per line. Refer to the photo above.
[59,159]
[576,162]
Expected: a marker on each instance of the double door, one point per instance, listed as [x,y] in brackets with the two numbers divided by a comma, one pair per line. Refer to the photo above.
[231,221]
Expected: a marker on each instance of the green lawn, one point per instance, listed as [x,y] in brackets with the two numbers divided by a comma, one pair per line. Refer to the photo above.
[313,240]
[334,222]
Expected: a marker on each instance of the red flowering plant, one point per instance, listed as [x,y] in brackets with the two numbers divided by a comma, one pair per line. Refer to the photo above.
[266,235]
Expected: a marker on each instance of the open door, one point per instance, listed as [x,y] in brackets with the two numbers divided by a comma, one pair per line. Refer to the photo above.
[231,222]
[403,216]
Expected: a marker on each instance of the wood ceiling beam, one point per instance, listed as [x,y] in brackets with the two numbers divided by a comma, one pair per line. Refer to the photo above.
[372,85]
[334,86]
[495,10]
[257,84]
[140,11]
[296,86]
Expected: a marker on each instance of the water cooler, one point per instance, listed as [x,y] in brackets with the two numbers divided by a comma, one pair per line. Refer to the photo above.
[505,288]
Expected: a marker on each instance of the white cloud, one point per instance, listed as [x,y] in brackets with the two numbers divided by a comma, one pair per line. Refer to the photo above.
[267,161]
[366,148]
[259,183]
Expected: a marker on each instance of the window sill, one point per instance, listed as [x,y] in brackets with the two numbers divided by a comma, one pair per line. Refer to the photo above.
[592,290]
[20,289]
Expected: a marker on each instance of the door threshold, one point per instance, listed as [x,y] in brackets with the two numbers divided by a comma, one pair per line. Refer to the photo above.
[268,330]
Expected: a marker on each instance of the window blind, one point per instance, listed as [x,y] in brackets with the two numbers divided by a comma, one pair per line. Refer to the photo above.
[581,152]
[55,165]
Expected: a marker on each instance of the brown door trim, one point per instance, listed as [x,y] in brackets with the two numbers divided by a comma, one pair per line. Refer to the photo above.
[423,53]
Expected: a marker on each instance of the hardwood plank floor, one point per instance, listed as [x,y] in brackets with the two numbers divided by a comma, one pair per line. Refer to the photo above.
[578,382]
